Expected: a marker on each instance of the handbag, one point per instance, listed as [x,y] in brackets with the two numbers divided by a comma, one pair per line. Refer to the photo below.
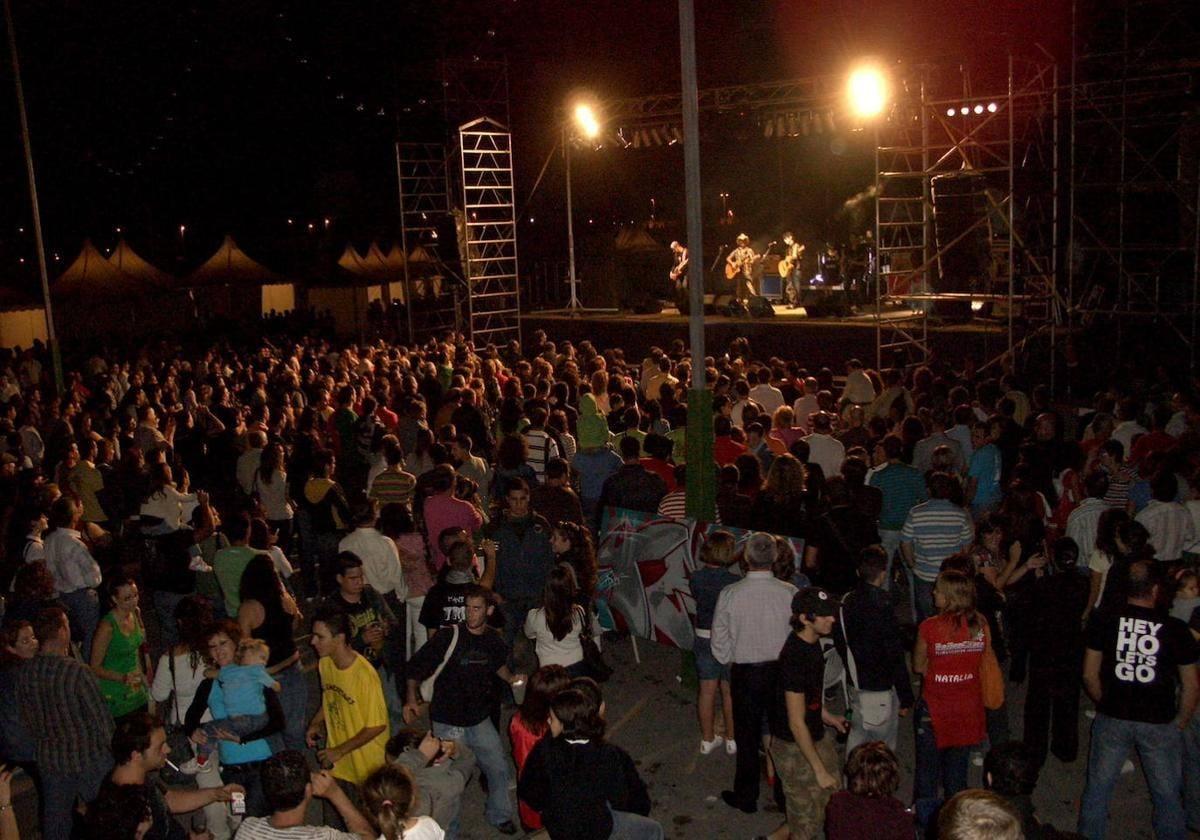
[427,685]
[991,678]
[593,659]
[177,738]
[875,707]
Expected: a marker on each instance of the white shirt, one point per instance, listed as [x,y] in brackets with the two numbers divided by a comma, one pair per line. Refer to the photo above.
[260,828]
[804,406]
[768,396]
[752,619]
[1100,563]
[1126,431]
[1083,522]
[566,651]
[187,680]
[827,451]
[273,494]
[247,466]
[1170,527]
[425,829]
[381,560]
[171,506]
[859,389]
[68,559]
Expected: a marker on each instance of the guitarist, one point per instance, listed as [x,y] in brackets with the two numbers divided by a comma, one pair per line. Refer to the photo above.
[739,266]
[789,266]
[679,268]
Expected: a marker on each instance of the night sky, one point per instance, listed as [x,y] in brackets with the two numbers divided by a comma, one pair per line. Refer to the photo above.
[231,116]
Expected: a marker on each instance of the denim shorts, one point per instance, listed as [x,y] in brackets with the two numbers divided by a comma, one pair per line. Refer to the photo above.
[708,668]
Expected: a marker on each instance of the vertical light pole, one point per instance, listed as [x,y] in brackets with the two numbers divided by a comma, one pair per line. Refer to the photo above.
[51,337]
[573,304]
[701,475]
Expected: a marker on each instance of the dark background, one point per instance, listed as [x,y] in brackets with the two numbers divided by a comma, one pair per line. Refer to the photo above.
[237,117]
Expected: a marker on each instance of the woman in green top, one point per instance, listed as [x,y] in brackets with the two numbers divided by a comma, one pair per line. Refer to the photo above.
[117,658]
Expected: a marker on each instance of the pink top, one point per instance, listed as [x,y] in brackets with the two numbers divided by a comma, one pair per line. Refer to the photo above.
[442,512]
[415,561]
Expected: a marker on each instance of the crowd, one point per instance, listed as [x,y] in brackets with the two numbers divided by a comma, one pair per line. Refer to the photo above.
[184,529]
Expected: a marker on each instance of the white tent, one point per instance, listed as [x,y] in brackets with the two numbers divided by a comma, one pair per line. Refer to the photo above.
[233,269]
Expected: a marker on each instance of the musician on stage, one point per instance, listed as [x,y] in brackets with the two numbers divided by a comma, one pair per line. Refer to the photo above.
[739,267]
[679,266]
[789,266]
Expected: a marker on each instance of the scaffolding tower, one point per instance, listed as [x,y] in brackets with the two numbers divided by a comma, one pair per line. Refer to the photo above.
[1134,231]
[430,298]
[1008,139]
[490,261]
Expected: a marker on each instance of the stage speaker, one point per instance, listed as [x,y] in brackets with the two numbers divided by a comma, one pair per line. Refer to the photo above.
[648,306]
[830,305]
[735,309]
[760,307]
[771,286]
[960,213]
[717,304]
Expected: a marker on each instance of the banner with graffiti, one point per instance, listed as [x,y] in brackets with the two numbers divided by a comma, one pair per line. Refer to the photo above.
[646,563]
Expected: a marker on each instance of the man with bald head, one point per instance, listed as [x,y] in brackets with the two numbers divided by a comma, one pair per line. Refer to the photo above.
[750,626]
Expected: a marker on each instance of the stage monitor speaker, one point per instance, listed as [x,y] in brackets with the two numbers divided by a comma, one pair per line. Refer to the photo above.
[960,213]
[735,309]
[828,305]
[760,307]
[771,286]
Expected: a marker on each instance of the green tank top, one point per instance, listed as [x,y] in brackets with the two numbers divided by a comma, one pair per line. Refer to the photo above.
[122,658]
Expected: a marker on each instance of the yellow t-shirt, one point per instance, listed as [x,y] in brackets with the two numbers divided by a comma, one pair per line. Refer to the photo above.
[353,700]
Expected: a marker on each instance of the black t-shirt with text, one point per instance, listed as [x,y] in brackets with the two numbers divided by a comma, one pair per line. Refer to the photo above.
[465,691]
[370,609]
[1142,649]
[445,604]
[802,671]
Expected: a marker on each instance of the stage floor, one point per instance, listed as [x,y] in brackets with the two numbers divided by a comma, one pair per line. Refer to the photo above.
[789,334]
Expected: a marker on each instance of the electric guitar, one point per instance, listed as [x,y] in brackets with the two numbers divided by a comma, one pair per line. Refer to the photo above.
[679,272]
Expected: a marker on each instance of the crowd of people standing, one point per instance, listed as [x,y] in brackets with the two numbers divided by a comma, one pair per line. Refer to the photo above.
[424,521]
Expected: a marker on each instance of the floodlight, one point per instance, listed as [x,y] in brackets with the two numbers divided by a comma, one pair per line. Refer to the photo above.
[867,91]
[978,109]
[585,118]
[950,112]
[991,107]
[964,110]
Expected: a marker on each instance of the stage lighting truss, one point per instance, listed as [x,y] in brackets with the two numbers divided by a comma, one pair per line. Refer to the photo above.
[976,108]
[798,123]
[645,136]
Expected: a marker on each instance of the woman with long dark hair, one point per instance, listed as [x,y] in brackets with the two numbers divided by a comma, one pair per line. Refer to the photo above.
[555,626]
[117,659]
[271,487]
[531,723]
[572,545]
[781,506]
[268,612]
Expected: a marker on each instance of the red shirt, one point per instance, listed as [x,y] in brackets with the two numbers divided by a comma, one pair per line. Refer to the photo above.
[387,417]
[1149,443]
[662,469]
[951,687]
[523,741]
[726,450]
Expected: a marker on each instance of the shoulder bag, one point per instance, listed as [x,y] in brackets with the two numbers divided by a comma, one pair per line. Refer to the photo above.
[875,708]
[427,685]
[593,659]
[991,678]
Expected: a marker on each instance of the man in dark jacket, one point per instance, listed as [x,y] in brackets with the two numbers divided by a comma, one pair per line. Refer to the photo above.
[632,487]
[555,500]
[881,693]
[523,556]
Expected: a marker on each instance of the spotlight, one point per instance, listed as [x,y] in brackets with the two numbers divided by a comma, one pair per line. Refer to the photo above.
[964,110]
[976,305]
[624,142]
[780,128]
[585,118]
[867,90]
[991,107]
[769,128]
[793,125]
[950,112]
[656,136]
[676,134]
[637,139]
[978,109]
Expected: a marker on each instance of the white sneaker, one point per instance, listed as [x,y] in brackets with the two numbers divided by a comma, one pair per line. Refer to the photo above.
[707,747]
[731,746]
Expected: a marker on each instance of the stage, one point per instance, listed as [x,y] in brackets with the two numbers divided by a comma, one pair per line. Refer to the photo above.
[790,334]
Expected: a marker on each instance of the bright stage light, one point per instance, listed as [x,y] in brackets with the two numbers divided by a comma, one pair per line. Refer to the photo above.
[867,91]
[991,107]
[964,110]
[949,112]
[978,109]
[585,118]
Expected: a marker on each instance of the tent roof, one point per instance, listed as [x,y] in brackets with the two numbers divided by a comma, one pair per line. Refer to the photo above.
[352,261]
[131,262]
[231,266]
[419,254]
[395,260]
[350,271]
[636,239]
[91,276]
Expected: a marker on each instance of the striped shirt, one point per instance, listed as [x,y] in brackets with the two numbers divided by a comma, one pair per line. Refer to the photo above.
[936,529]
[1170,527]
[1119,483]
[260,828]
[393,486]
[903,488]
[62,705]
[752,619]
[1083,523]
[541,449]
[674,504]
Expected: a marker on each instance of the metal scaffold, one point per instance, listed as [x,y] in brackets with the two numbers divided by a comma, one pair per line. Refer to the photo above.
[490,244]
[1134,231]
[998,150]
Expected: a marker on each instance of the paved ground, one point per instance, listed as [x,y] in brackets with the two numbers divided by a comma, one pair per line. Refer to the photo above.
[652,715]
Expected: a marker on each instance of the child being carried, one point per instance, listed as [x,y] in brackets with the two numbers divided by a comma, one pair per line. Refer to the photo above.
[241,685]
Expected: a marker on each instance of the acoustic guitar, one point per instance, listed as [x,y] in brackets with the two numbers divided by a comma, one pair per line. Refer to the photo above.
[786,265]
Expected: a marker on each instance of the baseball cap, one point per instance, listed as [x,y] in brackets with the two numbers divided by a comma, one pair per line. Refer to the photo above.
[813,600]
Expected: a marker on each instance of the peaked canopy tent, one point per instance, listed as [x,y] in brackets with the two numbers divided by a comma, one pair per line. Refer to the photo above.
[22,317]
[94,297]
[178,310]
[232,281]
[348,291]
[130,262]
